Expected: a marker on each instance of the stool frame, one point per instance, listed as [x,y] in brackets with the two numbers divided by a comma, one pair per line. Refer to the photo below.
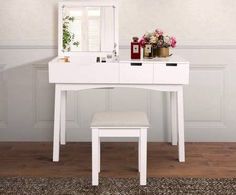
[101,132]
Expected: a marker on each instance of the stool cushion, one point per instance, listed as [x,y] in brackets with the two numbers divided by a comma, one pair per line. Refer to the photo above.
[120,120]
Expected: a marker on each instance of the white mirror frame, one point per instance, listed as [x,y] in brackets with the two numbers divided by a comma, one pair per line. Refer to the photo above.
[87,3]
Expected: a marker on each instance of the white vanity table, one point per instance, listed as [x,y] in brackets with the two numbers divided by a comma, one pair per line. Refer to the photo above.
[83,72]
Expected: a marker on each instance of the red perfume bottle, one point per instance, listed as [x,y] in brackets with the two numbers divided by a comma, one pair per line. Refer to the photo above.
[135,49]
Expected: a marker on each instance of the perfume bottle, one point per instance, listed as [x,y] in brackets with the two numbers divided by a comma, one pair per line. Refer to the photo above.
[147,51]
[135,49]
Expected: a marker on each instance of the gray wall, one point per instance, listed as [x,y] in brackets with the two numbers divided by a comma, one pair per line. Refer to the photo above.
[206,37]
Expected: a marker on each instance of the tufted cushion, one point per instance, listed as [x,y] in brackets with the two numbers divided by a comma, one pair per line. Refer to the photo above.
[120,119]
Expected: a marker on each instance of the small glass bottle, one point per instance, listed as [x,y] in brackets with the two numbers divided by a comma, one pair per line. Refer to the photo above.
[148,51]
[154,51]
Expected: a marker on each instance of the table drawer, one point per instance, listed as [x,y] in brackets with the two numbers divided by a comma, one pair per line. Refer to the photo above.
[171,73]
[88,73]
[136,72]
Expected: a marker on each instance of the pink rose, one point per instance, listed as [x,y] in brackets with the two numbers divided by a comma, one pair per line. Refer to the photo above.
[160,43]
[159,32]
[173,42]
[142,42]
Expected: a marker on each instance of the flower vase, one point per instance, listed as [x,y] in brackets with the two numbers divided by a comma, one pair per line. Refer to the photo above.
[163,52]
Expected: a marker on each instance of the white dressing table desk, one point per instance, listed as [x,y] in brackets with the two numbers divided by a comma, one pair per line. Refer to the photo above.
[165,74]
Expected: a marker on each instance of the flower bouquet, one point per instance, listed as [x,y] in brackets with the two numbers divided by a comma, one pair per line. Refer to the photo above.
[159,42]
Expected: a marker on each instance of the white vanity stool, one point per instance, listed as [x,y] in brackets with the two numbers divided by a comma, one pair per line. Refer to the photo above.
[119,124]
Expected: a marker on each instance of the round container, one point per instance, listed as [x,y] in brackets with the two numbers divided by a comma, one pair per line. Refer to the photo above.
[163,52]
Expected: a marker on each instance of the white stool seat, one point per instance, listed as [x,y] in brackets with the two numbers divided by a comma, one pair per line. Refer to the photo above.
[119,124]
[120,120]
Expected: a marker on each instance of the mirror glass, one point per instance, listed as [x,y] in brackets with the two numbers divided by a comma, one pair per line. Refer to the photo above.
[88,29]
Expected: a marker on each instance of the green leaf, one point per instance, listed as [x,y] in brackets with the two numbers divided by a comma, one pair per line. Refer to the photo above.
[68,37]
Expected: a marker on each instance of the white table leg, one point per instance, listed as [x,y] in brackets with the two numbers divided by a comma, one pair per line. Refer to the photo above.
[95,169]
[99,154]
[180,103]
[173,107]
[63,118]
[139,154]
[143,157]
[56,136]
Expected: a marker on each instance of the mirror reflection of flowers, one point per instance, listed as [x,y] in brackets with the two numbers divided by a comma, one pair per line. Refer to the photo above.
[68,36]
[158,39]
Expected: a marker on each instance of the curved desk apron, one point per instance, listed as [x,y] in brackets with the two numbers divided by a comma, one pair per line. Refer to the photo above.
[169,75]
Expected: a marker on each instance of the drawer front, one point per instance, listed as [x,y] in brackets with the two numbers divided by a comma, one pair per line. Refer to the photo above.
[171,73]
[89,73]
[136,72]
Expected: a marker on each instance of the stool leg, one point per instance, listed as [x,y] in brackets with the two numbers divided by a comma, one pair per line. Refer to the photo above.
[143,158]
[95,169]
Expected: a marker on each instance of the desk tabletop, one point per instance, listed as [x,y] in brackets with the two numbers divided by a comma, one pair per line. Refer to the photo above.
[84,61]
